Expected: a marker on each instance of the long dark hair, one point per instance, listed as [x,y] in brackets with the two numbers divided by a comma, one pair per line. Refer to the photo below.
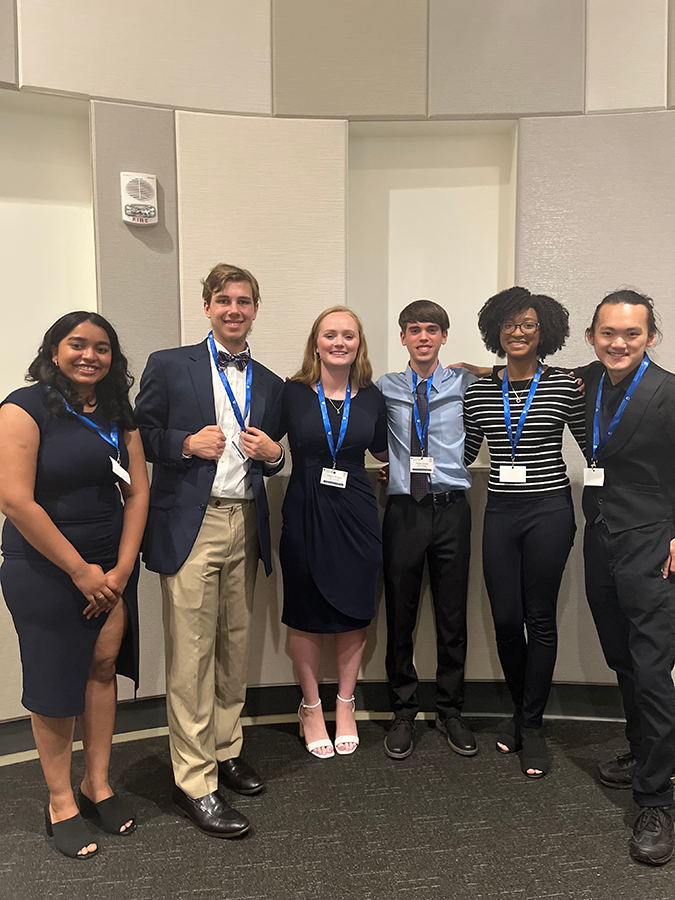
[633,298]
[112,392]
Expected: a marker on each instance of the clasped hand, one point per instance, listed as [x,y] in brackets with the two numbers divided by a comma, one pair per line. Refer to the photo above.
[209,443]
[102,590]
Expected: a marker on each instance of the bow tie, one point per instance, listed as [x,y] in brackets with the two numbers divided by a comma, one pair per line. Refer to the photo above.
[240,360]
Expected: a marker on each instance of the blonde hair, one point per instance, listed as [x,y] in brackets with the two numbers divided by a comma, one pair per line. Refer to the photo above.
[361,373]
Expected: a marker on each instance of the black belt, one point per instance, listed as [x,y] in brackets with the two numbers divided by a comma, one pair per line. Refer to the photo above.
[443,498]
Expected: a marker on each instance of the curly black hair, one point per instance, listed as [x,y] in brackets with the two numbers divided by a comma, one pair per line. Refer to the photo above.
[112,392]
[553,319]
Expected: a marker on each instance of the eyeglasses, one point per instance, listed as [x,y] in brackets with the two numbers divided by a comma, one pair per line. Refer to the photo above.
[525,327]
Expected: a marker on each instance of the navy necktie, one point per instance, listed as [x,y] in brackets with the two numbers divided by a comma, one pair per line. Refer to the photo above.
[419,482]
[240,360]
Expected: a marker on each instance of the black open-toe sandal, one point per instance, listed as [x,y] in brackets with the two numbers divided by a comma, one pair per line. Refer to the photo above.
[534,754]
[110,814]
[70,836]
[510,737]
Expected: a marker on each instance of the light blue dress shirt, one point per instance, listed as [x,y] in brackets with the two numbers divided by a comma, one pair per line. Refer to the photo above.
[445,442]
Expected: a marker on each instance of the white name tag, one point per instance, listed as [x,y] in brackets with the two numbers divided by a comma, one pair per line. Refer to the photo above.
[235,441]
[512,474]
[334,478]
[422,464]
[119,471]
[594,477]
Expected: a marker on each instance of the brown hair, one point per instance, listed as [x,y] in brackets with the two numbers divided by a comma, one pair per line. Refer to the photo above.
[221,274]
[423,311]
[361,373]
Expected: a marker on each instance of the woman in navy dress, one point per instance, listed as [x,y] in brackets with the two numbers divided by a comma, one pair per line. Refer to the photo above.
[69,453]
[331,544]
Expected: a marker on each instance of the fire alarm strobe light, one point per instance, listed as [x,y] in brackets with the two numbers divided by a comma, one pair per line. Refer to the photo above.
[139,198]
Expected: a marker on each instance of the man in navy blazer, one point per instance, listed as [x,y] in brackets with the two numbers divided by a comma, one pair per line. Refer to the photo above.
[204,413]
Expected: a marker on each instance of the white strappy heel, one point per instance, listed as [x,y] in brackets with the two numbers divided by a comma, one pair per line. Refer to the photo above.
[347,738]
[315,745]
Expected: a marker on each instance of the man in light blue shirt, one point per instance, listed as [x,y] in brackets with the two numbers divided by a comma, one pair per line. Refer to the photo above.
[427,518]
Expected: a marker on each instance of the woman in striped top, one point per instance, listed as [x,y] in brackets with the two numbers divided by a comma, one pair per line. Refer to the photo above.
[522,410]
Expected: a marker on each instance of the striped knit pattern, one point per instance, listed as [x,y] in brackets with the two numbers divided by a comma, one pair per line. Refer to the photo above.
[557,402]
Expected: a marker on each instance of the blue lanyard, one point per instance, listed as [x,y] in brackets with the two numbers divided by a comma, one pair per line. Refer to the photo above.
[599,445]
[113,438]
[326,421]
[422,432]
[228,388]
[513,440]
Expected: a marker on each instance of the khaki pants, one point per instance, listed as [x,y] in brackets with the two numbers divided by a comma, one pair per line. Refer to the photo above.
[206,609]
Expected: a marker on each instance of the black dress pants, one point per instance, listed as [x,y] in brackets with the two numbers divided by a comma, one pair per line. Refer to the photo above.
[439,533]
[526,543]
[634,611]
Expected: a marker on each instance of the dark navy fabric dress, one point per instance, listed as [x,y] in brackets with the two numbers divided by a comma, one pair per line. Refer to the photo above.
[331,543]
[77,488]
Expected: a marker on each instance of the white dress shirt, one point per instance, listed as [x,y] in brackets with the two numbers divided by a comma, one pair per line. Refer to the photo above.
[232,481]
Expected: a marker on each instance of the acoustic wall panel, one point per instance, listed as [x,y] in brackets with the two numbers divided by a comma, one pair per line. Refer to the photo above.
[269,195]
[8,43]
[596,196]
[138,285]
[626,54]
[505,57]
[671,53]
[352,58]
[207,54]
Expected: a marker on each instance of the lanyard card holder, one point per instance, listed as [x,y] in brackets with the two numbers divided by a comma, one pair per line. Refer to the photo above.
[423,465]
[512,474]
[594,477]
[334,477]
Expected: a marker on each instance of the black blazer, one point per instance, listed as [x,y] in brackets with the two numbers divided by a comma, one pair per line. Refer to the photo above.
[175,400]
[639,458]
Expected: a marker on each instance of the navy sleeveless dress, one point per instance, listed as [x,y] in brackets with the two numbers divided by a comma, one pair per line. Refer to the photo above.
[77,488]
[331,544]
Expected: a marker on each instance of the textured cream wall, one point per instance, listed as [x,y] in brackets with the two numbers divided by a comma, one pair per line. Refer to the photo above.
[626,47]
[596,196]
[352,58]
[7,43]
[505,57]
[207,54]
[47,240]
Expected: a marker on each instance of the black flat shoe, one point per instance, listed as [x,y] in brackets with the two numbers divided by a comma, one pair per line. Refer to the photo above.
[399,742]
[70,836]
[458,734]
[211,814]
[238,776]
[510,737]
[652,840]
[534,754]
[110,814]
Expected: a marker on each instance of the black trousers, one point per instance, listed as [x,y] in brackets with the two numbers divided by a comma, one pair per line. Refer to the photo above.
[634,611]
[440,534]
[525,548]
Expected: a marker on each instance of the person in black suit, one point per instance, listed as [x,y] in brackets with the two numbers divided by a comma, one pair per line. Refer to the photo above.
[629,552]
[204,413]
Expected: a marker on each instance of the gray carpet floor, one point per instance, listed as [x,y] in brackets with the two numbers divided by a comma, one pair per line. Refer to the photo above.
[435,826]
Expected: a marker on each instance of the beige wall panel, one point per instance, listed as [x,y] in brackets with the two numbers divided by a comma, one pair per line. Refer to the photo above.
[352,58]
[671,53]
[138,285]
[505,57]
[208,54]
[8,43]
[595,212]
[269,195]
[626,54]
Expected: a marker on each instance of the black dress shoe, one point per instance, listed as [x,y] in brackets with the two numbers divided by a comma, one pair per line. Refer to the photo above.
[238,776]
[399,740]
[460,737]
[652,840]
[618,773]
[211,814]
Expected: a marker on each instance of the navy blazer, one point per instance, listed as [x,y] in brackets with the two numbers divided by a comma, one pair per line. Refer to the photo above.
[175,400]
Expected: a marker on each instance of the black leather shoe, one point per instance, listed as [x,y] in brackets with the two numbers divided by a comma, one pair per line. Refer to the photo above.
[399,740]
[652,840]
[618,773]
[238,776]
[211,814]
[460,737]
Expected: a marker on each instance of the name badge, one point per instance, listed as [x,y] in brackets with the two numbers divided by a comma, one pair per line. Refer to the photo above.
[594,477]
[334,478]
[512,474]
[422,464]
[239,450]
[119,471]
